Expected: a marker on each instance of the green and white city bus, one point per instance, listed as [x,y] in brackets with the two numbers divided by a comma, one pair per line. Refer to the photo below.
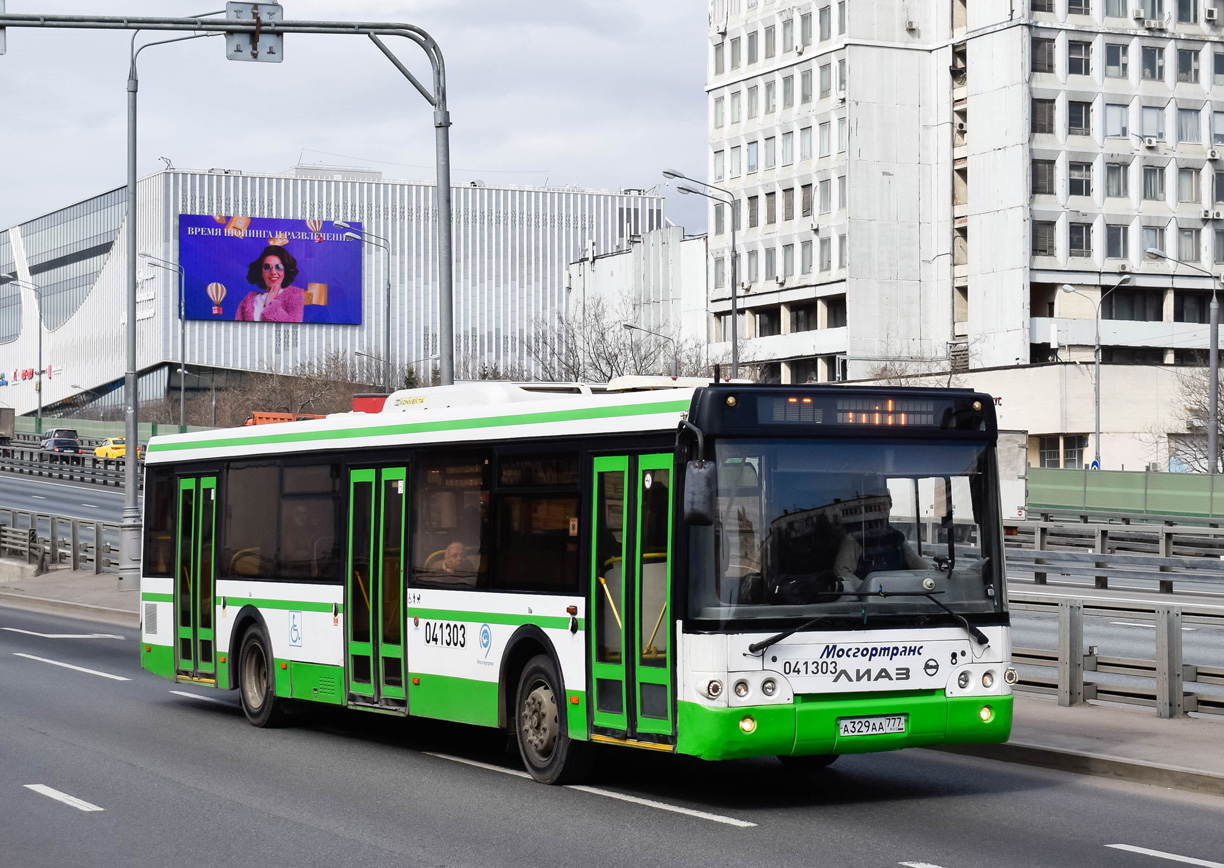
[713,569]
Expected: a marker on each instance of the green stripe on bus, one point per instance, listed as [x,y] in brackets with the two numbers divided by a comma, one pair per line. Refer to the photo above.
[427,427]
[157,598]
[291,605]
[463,700]
[544,621]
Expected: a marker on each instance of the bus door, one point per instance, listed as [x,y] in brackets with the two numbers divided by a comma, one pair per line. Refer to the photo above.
[374,587]
[631,631]
[194,585]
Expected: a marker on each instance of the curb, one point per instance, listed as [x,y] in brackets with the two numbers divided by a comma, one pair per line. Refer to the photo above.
[84,611]
[1097,765]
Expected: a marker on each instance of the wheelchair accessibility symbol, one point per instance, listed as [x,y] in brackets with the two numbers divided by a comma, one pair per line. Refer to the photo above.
[295,629]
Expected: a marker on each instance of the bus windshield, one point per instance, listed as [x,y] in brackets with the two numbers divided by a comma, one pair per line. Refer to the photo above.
[866,531]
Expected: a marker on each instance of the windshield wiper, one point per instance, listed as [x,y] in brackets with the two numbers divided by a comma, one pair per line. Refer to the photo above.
[973,631]
[756,647]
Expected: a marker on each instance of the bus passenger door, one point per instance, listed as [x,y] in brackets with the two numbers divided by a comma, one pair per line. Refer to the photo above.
[374,588]
[631,592]
[195,649]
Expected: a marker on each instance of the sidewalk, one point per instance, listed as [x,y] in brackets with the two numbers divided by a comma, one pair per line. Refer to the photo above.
[1107,740]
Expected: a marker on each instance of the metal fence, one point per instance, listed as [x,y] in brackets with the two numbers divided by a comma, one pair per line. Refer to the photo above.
[79,543]
[31,460]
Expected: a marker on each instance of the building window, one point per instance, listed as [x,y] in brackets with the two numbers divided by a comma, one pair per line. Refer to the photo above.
[1188,185]
[1073,451]
[771,263]
[1116,9]
[771,100]
[805,267]
[1079,239]
[1116,121]
[1043,5]
[753,262]
[1153,236]
[835,318]
[1115,180]
[1188,66]
[788,34]
[805,143]
[826,254]
[771,47]
[1043,54]
[788,149]
[771,208]
[1153,123]
[826,80]
[803,319]
[752,102]
[719,165]
[1079,7]
[1191,306]
[735,53]
[752,47]
[841,76]
[718,111]
[841,135]
[1188,245]
[1187,11]
[1154,183]
[719,229]
[842,192]
[1049,451]
[1153,63]
[841,16]
[1152,8]
[826,196]
[1218,67]
[720,279]
[788,91]
[788,260]
[1117,62]
[1080,179]
[753,212]
[735,107]
[1219,246]
[825,20]
[823,130]
[1218,185]
[1043,116]
[768,322]
[805,86]
[805,28]
[1079,58]
[1043,177]
[770,152]
[805,200]
[718,59]
[752,157]
[1116,246]
[1043,238]
[1217,128]
[788,203]
[1188,126]
[1079,118]
[735,162]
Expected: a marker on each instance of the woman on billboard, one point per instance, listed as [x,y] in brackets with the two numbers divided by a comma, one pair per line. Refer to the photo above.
[275,298]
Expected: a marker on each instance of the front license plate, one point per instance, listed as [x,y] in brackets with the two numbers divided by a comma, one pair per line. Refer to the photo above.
[850,726]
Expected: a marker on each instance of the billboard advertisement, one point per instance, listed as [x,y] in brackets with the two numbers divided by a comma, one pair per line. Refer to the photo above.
[268,269]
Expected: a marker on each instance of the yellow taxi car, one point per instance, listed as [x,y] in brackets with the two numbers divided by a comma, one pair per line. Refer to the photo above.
[113,447]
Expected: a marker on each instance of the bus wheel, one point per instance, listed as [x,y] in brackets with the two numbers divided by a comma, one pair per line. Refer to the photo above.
[809,763]
[256,679]
[548,753]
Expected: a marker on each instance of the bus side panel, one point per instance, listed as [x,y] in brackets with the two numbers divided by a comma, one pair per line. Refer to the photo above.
[157,626]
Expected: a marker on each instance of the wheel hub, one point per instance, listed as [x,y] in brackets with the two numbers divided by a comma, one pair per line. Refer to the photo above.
[540,727]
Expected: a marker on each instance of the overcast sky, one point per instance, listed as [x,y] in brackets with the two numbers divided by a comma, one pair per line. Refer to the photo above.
[603,94]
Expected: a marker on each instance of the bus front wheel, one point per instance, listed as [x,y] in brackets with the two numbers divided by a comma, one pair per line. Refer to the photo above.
[257,680]
[549,754]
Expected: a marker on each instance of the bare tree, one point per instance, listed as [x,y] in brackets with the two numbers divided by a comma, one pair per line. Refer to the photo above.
[1193,393]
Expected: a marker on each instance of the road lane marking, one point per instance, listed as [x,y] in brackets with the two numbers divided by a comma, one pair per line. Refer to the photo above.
[79,804]
[1173,857]
[39,496]
[918,865]
[197,696]
[63,635]
[70,666]
[649,803]
[90,505]
[1145,626]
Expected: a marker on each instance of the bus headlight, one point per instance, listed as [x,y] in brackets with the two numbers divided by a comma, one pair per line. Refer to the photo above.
[714,688]
[769,687]
[986,713]
[748,725]
[962,680]
[988,680]
[741,689]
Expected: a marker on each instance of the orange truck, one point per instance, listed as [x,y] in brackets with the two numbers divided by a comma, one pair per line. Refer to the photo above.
[259,418]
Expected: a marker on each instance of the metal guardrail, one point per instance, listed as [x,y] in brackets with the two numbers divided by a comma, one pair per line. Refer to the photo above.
[80,543]
[1168,672]
[80,468]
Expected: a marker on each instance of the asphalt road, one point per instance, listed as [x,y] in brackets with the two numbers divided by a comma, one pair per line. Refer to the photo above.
[76,500]
[172,774]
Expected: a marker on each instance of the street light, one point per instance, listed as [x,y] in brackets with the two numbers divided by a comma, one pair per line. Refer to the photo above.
[734,203]
[675,350]
[21,284]
[1213,361]
[368,237]
[171,266]
[1096,439]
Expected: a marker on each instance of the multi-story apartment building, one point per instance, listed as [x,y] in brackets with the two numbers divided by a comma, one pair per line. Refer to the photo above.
[916,180]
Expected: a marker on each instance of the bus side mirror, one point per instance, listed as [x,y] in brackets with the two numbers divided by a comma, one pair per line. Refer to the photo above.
[700,485]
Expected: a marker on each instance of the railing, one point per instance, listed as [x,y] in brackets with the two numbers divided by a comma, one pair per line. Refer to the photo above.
[34,461]
[55,539]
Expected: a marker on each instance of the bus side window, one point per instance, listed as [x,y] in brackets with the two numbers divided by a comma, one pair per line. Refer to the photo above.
[452,518]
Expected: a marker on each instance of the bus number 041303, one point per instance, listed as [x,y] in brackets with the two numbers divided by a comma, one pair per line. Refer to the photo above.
[809,667]
[446,634]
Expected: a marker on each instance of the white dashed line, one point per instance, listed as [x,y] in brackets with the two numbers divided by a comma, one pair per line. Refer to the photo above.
[918,865]
[1145,626]
[63,635]
[198,696]
[52,793]
[1172,857]
[39,496]
[649,803]
[70,666]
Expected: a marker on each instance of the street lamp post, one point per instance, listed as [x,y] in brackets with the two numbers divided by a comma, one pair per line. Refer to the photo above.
[675,349]
[1213,361]
[734,203]
[38,382]
[1096,365]
[377,241]
[182,272]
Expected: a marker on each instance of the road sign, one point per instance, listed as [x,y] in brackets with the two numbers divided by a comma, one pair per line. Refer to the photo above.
[258,46]
[1095,465]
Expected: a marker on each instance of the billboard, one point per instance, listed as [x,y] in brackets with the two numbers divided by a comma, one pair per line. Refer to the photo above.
[268,269]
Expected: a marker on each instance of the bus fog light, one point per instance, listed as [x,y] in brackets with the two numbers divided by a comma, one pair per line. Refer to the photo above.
[741,689]
[748,725]
[988,680]
[1010,676]
[986,713]
[962,680]
[769,687]
[714,689]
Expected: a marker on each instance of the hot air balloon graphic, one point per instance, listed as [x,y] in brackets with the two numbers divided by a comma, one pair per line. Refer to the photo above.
[314,226]
[216,291]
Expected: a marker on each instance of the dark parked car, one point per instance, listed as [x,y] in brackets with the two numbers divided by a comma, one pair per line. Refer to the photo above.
[70,449]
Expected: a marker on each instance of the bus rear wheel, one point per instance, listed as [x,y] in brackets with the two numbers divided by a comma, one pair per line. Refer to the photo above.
[257,680]
[549,754]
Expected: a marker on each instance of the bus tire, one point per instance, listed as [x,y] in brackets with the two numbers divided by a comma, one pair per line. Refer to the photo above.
[257,680]
[809,762]
[549,754]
